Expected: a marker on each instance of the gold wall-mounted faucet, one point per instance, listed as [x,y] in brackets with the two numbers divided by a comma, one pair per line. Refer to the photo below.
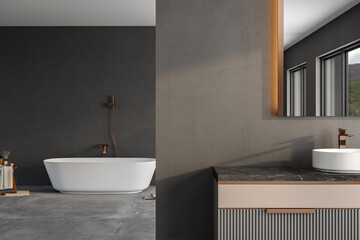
[342,137]
[104,148]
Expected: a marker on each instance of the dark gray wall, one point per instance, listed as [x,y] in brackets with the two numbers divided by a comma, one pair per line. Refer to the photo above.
[337,33]
[214,92]
[54,84]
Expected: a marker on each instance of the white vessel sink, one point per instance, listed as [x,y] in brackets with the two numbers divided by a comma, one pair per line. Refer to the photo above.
[335,160]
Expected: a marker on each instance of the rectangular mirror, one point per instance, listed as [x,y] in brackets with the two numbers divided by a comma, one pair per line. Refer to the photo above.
[320,74]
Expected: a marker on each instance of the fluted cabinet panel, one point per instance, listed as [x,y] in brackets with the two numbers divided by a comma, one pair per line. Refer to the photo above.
[256,224]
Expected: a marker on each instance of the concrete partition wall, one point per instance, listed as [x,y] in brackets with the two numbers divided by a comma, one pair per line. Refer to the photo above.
[214,106]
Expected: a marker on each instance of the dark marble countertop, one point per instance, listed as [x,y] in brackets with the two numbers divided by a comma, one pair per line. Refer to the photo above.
[278,174]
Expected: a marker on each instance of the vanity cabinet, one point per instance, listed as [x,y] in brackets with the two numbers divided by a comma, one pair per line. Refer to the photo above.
[286,203]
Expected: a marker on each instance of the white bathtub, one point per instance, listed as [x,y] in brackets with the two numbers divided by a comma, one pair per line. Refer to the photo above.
[100,175]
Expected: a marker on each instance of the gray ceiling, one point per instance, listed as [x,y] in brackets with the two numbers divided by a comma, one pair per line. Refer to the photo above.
[303,17]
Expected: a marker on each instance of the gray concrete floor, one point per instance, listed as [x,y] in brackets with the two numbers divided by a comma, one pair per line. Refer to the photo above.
[49,215]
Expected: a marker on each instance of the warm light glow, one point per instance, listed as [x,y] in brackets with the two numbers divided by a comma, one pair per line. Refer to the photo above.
[275,55]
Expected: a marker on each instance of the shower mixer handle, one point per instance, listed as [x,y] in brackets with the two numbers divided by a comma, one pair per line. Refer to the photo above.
[111,103]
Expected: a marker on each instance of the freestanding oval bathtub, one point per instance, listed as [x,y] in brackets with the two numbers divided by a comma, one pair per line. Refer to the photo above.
[100,175]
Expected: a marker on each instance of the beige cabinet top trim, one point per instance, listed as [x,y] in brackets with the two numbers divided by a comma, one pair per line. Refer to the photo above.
[288,196]
[289,182]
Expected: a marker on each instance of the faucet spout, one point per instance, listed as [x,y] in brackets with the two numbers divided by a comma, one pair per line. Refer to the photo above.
[104,148]
[342,137]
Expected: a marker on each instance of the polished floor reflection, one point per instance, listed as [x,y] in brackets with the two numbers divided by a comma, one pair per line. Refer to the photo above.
[46,214]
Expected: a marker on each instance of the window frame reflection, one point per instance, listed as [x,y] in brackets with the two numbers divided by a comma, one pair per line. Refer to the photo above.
[296,91]
[335,82]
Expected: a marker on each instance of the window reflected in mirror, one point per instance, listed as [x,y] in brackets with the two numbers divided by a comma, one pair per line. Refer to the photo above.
[321,71]
[296,82]
[353,69]
[332,85]
[340,82]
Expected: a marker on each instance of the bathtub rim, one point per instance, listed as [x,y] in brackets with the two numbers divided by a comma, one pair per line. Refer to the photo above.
[96,160]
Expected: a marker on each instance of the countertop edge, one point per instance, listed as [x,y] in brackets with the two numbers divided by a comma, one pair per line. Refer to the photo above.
[280,175]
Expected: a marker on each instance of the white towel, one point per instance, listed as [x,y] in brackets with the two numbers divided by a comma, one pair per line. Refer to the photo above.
[6,177]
